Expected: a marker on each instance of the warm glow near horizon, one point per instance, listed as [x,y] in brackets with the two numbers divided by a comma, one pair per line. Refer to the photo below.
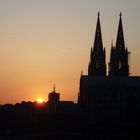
[43,42]
[40,100]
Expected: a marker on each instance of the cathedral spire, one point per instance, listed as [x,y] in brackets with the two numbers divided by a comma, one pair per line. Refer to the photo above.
[118,65]
[97,66]
[120,43]
[98,35]
[54,87]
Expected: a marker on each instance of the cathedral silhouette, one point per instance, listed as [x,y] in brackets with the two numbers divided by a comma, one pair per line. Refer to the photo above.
[113,94]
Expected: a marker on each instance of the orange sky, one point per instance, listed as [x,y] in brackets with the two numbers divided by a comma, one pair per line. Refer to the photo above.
[47,42]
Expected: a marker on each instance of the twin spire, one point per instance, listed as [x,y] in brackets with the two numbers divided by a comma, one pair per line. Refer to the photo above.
[120,36]
[97,65]
[98,44]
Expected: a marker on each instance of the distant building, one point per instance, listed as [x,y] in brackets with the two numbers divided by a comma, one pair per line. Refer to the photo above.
[113,93]
[54,97]
[53,100]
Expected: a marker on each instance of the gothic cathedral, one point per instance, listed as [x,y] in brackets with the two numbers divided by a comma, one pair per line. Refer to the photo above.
[100,91]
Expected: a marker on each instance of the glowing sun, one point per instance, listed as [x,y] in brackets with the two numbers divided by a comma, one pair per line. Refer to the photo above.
[40,100]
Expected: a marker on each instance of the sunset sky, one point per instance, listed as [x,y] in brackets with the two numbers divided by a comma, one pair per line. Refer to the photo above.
[47,42]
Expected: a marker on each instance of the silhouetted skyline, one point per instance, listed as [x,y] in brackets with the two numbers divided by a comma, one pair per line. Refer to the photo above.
[47,42]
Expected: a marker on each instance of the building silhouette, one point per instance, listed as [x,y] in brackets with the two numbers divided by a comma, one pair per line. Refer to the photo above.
[53,100]
[109,95]
[97,64]
[118,65]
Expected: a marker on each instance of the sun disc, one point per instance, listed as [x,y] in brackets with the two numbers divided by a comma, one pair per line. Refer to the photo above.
[40,100]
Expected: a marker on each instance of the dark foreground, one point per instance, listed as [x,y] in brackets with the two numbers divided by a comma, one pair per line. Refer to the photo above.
[30,121]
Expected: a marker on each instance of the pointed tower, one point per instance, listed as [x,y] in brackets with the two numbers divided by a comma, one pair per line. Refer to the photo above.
[118,65]
[97,66]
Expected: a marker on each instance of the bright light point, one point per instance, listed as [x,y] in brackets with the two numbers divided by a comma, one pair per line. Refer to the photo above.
[40,100]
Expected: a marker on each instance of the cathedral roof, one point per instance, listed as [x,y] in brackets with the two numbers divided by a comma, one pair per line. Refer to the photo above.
[89,81]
